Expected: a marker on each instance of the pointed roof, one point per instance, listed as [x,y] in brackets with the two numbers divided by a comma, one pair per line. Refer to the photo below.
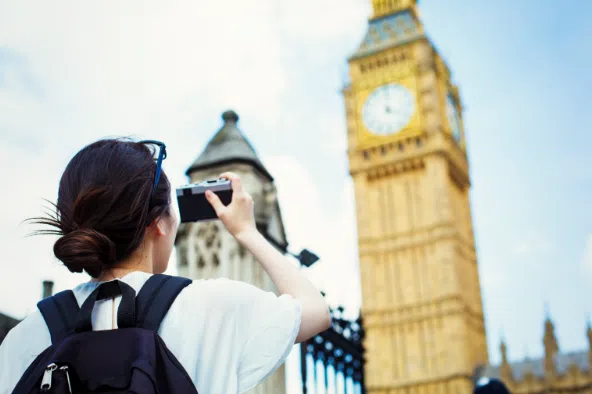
[228,145]
[389,31]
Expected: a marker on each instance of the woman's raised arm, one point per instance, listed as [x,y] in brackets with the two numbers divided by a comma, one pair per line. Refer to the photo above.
[238,217]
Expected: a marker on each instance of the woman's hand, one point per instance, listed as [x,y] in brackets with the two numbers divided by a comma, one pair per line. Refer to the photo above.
[238,217]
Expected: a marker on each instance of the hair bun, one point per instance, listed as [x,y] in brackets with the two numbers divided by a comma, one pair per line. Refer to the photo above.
[87,250]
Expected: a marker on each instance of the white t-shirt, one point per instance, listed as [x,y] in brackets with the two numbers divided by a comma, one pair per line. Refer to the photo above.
[228,335]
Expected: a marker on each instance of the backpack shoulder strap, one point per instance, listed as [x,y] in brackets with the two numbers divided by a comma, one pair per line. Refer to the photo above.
[59,312]
[156,297]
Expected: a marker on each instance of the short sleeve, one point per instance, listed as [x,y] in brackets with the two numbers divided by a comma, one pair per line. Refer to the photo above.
[20,348]
[268,327]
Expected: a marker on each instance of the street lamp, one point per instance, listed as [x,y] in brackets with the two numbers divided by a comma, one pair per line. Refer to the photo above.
[306,257]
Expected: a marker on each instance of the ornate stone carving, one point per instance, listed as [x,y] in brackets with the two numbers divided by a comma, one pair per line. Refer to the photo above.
[208,244]
[182,254]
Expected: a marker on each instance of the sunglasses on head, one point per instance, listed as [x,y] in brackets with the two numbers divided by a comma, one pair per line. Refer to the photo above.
[161,156]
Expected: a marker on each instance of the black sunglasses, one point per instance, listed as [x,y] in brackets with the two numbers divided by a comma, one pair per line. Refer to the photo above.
[162,154]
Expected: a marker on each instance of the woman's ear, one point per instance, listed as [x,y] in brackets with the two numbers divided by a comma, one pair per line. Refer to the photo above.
[159,227]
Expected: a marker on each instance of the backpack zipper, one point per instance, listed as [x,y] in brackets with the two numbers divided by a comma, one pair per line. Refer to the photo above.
[65,369]
[46,381]
[48,375]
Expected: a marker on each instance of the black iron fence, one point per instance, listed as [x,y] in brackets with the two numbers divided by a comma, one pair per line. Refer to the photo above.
[333,361]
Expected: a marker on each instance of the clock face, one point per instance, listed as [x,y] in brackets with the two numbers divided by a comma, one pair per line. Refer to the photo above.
[388,109]
[453,118]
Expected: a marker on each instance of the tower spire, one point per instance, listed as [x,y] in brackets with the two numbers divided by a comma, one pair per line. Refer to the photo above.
[386,7]
[506,369]
[589,335]
[550,344]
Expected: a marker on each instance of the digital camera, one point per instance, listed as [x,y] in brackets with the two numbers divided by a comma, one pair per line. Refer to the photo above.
[193,205]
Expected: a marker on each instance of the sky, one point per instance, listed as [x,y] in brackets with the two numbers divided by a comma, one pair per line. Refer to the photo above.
[73,72]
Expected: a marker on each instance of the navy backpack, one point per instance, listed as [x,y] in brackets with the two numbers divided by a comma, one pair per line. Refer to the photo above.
[130,359]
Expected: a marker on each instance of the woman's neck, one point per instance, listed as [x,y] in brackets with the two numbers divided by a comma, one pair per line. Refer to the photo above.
[138,261]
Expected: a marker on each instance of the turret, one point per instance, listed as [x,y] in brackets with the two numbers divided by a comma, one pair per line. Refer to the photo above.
[551,349]
[589,335]
[505,368]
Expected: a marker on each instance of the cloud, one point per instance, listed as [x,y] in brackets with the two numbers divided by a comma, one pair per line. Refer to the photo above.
[133,67]
[324,19]
[332,237]
[333,139]
[83,71]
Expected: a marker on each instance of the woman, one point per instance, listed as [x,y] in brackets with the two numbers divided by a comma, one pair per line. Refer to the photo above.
[115,221]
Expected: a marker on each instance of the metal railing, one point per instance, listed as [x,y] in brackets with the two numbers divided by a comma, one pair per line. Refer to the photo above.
[332,362]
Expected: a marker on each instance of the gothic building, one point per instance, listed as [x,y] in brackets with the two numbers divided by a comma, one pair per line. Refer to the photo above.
[207,250]
[555,372]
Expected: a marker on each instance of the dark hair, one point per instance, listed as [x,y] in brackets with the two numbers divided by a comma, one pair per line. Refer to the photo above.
[105,203]
[490,386]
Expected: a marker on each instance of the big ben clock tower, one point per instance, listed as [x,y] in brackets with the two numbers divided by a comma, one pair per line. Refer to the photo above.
[421,296]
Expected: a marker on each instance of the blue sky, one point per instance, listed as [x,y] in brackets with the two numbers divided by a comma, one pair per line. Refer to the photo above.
[79,72]
[524,74]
